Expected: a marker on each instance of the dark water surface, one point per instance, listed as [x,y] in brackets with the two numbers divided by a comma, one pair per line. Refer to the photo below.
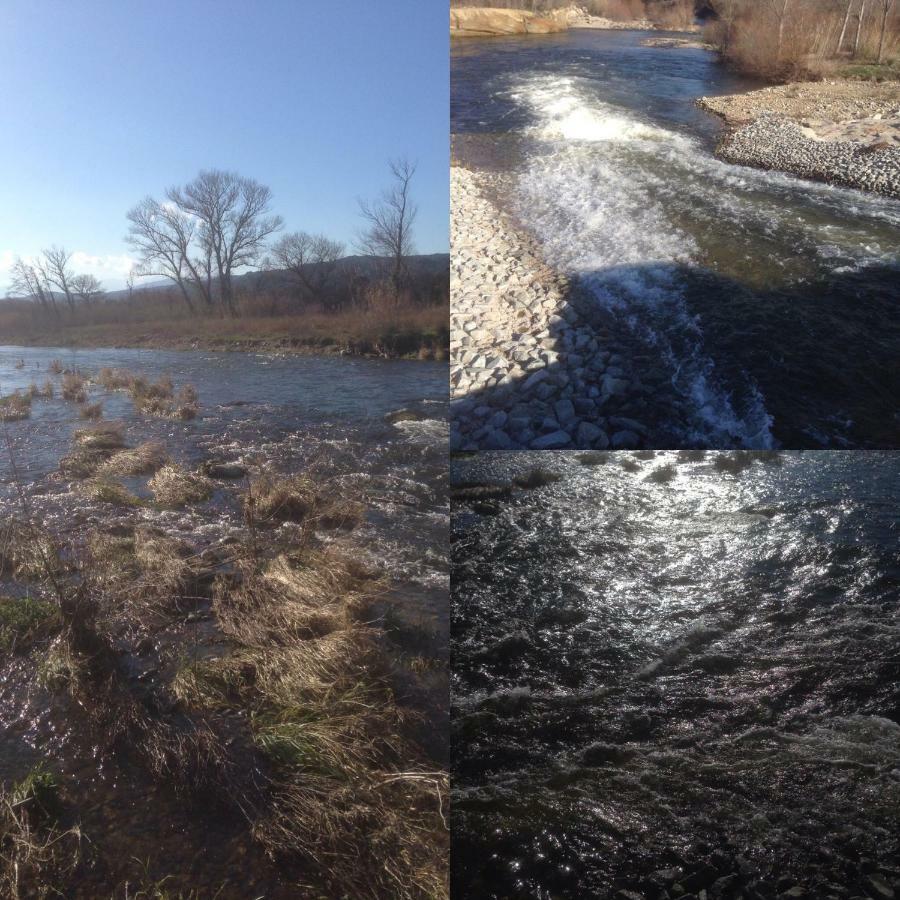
[275,414]
[770,300]
[677,683]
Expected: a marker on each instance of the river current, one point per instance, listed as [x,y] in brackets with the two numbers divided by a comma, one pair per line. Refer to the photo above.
[769,302]
[674,671]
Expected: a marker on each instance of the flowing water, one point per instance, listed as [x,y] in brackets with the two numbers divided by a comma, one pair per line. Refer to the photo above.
[685,678]
[770,302]
[278,414]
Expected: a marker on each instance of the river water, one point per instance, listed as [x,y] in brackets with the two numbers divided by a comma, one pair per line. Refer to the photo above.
[677,681]
[768,302]
[285,415]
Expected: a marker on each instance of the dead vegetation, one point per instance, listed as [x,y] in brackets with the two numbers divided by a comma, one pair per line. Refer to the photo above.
[15,407]
[74,388]
[36,856]
[174,487]
[273,499]
[93,446]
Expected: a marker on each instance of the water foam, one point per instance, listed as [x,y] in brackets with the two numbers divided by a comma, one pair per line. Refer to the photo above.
[602,215]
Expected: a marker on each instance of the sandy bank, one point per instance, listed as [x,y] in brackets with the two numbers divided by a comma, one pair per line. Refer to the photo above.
[845,133]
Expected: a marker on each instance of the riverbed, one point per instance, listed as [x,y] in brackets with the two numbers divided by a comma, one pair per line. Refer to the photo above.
[750,308]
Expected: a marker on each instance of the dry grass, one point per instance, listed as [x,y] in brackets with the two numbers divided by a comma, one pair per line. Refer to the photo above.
[351,796]
[299,498]
[27,552]
[173,487]
[159,398]
[74,388]
[145,459]
[15,407]
[37,858]
[105,490]
[91,411]
[93,447]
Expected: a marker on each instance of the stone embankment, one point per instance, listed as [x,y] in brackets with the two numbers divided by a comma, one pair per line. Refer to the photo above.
[528,368]
[845,133]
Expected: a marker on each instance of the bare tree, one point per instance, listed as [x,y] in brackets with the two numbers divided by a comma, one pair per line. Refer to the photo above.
[55,269]
[233,219]
[727,12]
[885,6]
[163,236]
[780,8]
[27,281]
[87,288]
[390,221]
[859,21]
[311,258]
[843,34]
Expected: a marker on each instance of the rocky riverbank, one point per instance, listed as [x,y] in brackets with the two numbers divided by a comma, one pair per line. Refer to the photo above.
[845,133]
[529,367]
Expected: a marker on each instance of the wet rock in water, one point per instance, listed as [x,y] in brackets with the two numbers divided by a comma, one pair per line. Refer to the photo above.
[223,470]
[474,491]
[511,645]
[602,754]
[404,415]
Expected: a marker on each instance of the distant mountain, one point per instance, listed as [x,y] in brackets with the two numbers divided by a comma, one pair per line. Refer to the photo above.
[423,265]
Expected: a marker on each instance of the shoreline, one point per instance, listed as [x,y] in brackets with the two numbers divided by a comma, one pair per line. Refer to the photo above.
[843,133]
[409,345]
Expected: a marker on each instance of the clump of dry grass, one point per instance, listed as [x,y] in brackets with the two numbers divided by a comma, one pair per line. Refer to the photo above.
[351,795]
[15,407]
[37,859]
[74,388]
[46,391]
[159,398]
[299,498]
[663,474]
[105,490]
[174,487]
[144,459]
[94,446]
[27,551]
[115,379]
[108,436]
[593,458]
[91,411]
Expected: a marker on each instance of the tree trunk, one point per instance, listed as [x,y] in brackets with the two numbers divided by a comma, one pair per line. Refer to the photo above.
[859,21]
[840,42]
[884,15]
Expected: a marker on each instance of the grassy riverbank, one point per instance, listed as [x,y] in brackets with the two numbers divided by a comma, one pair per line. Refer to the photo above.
[412,333]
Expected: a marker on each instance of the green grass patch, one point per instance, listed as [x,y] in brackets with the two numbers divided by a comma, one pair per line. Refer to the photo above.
[23,620]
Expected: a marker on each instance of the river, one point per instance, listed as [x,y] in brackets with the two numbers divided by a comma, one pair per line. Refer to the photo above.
[762,306]
[682,678]
[282,415]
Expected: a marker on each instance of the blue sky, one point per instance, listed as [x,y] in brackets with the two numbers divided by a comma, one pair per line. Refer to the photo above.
[102,103]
